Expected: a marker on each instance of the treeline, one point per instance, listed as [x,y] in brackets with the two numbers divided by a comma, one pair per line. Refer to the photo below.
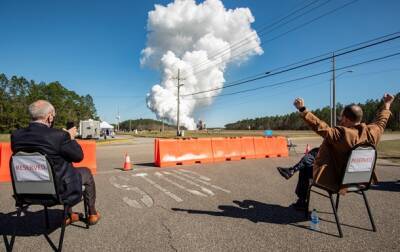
[144,124]
[17,93]
[293,121]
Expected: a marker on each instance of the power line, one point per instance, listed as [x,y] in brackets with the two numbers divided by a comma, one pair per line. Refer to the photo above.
[262,32]
[302,78]
[285,33]
[272,73]
[235,103]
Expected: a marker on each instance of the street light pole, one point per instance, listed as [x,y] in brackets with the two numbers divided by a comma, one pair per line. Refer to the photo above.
[333,91]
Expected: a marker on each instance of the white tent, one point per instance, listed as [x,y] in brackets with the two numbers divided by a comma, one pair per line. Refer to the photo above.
[105,125]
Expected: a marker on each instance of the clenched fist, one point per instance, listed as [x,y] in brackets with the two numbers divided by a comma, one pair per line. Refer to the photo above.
[387,100]
[298,103]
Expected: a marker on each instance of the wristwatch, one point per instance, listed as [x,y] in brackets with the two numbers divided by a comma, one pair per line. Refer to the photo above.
[302,109]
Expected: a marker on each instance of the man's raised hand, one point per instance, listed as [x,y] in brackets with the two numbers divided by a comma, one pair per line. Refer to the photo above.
[387,100]
[298,103]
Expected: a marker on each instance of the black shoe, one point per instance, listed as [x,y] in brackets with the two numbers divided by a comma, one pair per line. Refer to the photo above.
[287,173]
[299,205]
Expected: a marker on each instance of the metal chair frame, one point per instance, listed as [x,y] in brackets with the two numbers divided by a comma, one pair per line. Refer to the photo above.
[23,201]
[359,188]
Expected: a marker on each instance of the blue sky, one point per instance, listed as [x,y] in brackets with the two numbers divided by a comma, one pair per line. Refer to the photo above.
[93,47]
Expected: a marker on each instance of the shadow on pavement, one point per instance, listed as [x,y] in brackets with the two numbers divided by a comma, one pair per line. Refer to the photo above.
[391,186]
[30,224]
[145,164]
[254,211]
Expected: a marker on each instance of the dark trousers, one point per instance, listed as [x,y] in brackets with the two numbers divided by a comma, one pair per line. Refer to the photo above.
[305,168]
[90,188]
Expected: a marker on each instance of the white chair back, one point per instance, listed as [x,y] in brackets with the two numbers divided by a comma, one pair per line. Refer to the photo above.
[32,174]
[360,165]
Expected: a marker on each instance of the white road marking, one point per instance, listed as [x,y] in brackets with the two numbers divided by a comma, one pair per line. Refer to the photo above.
[199,175]
[131,202]
[146,199]
[201,181]
[206,190]
[161,176]
[168,193]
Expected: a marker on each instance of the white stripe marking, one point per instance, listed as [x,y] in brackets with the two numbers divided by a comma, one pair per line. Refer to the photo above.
[168,193]
[146,199]
[201,181]
[132,203]
[161,176]
[199,175]
[206,190]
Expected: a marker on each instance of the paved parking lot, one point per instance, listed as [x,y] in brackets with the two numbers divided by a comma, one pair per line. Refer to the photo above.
[230,206]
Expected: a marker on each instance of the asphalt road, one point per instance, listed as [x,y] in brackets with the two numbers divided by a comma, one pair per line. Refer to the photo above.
[230,206]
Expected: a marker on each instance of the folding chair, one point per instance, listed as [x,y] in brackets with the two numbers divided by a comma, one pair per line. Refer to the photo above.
[356,178]
[291,146]
[34,184]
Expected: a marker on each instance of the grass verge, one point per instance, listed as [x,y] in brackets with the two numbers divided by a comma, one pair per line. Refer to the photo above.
[390,150]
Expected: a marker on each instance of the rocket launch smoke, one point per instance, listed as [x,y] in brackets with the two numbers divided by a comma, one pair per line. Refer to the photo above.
[190,37]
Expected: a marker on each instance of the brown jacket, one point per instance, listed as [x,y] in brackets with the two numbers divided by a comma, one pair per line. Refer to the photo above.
[338,141]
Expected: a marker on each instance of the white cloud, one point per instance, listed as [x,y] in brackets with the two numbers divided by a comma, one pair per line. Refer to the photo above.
[194,37]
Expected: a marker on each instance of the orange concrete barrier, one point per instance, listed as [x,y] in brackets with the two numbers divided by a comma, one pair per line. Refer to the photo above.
[260,147]
[5,155]
[247,148]
[281,145]
[218,149]
[187,151]
[233,149]
[89,155]
[166,152]
[171,152]
[89,160]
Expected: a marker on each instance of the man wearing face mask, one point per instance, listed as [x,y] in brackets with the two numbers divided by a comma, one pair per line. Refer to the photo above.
[325,164]
[61,150]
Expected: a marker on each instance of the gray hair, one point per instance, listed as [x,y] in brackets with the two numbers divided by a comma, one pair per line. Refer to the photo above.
[39,109]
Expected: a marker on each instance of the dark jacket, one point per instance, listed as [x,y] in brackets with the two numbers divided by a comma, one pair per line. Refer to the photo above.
[334,151]
[60,151]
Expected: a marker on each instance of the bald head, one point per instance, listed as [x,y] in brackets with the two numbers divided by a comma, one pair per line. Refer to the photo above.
[353,113]
[40,110]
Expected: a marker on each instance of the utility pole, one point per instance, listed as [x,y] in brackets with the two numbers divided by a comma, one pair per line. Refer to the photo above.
[333,90]
[330,103]
[118,118]
[178,78]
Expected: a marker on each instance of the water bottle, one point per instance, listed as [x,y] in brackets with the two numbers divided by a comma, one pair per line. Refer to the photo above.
[314,223]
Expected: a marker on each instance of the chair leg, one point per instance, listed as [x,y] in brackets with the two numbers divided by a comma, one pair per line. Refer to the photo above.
[336,216]
[46,217]
[369,211]
[10,245]
[337,202]
[85,206]
[60,242]
[308,201]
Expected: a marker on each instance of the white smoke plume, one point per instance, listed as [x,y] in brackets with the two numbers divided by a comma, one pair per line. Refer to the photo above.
[200,40]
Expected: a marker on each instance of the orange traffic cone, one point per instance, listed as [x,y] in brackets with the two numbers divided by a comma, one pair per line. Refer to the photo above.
[127,163]
[307,149]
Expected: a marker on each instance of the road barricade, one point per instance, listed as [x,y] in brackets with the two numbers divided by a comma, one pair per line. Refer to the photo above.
[166,152]
[89,160]
[247,148]
[233,149]
[171,152]
[89,155]
[5,155]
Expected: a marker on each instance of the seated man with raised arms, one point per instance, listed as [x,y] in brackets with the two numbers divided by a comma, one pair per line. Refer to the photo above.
[325,164]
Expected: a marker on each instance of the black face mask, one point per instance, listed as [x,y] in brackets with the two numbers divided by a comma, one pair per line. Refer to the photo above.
[52,123]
